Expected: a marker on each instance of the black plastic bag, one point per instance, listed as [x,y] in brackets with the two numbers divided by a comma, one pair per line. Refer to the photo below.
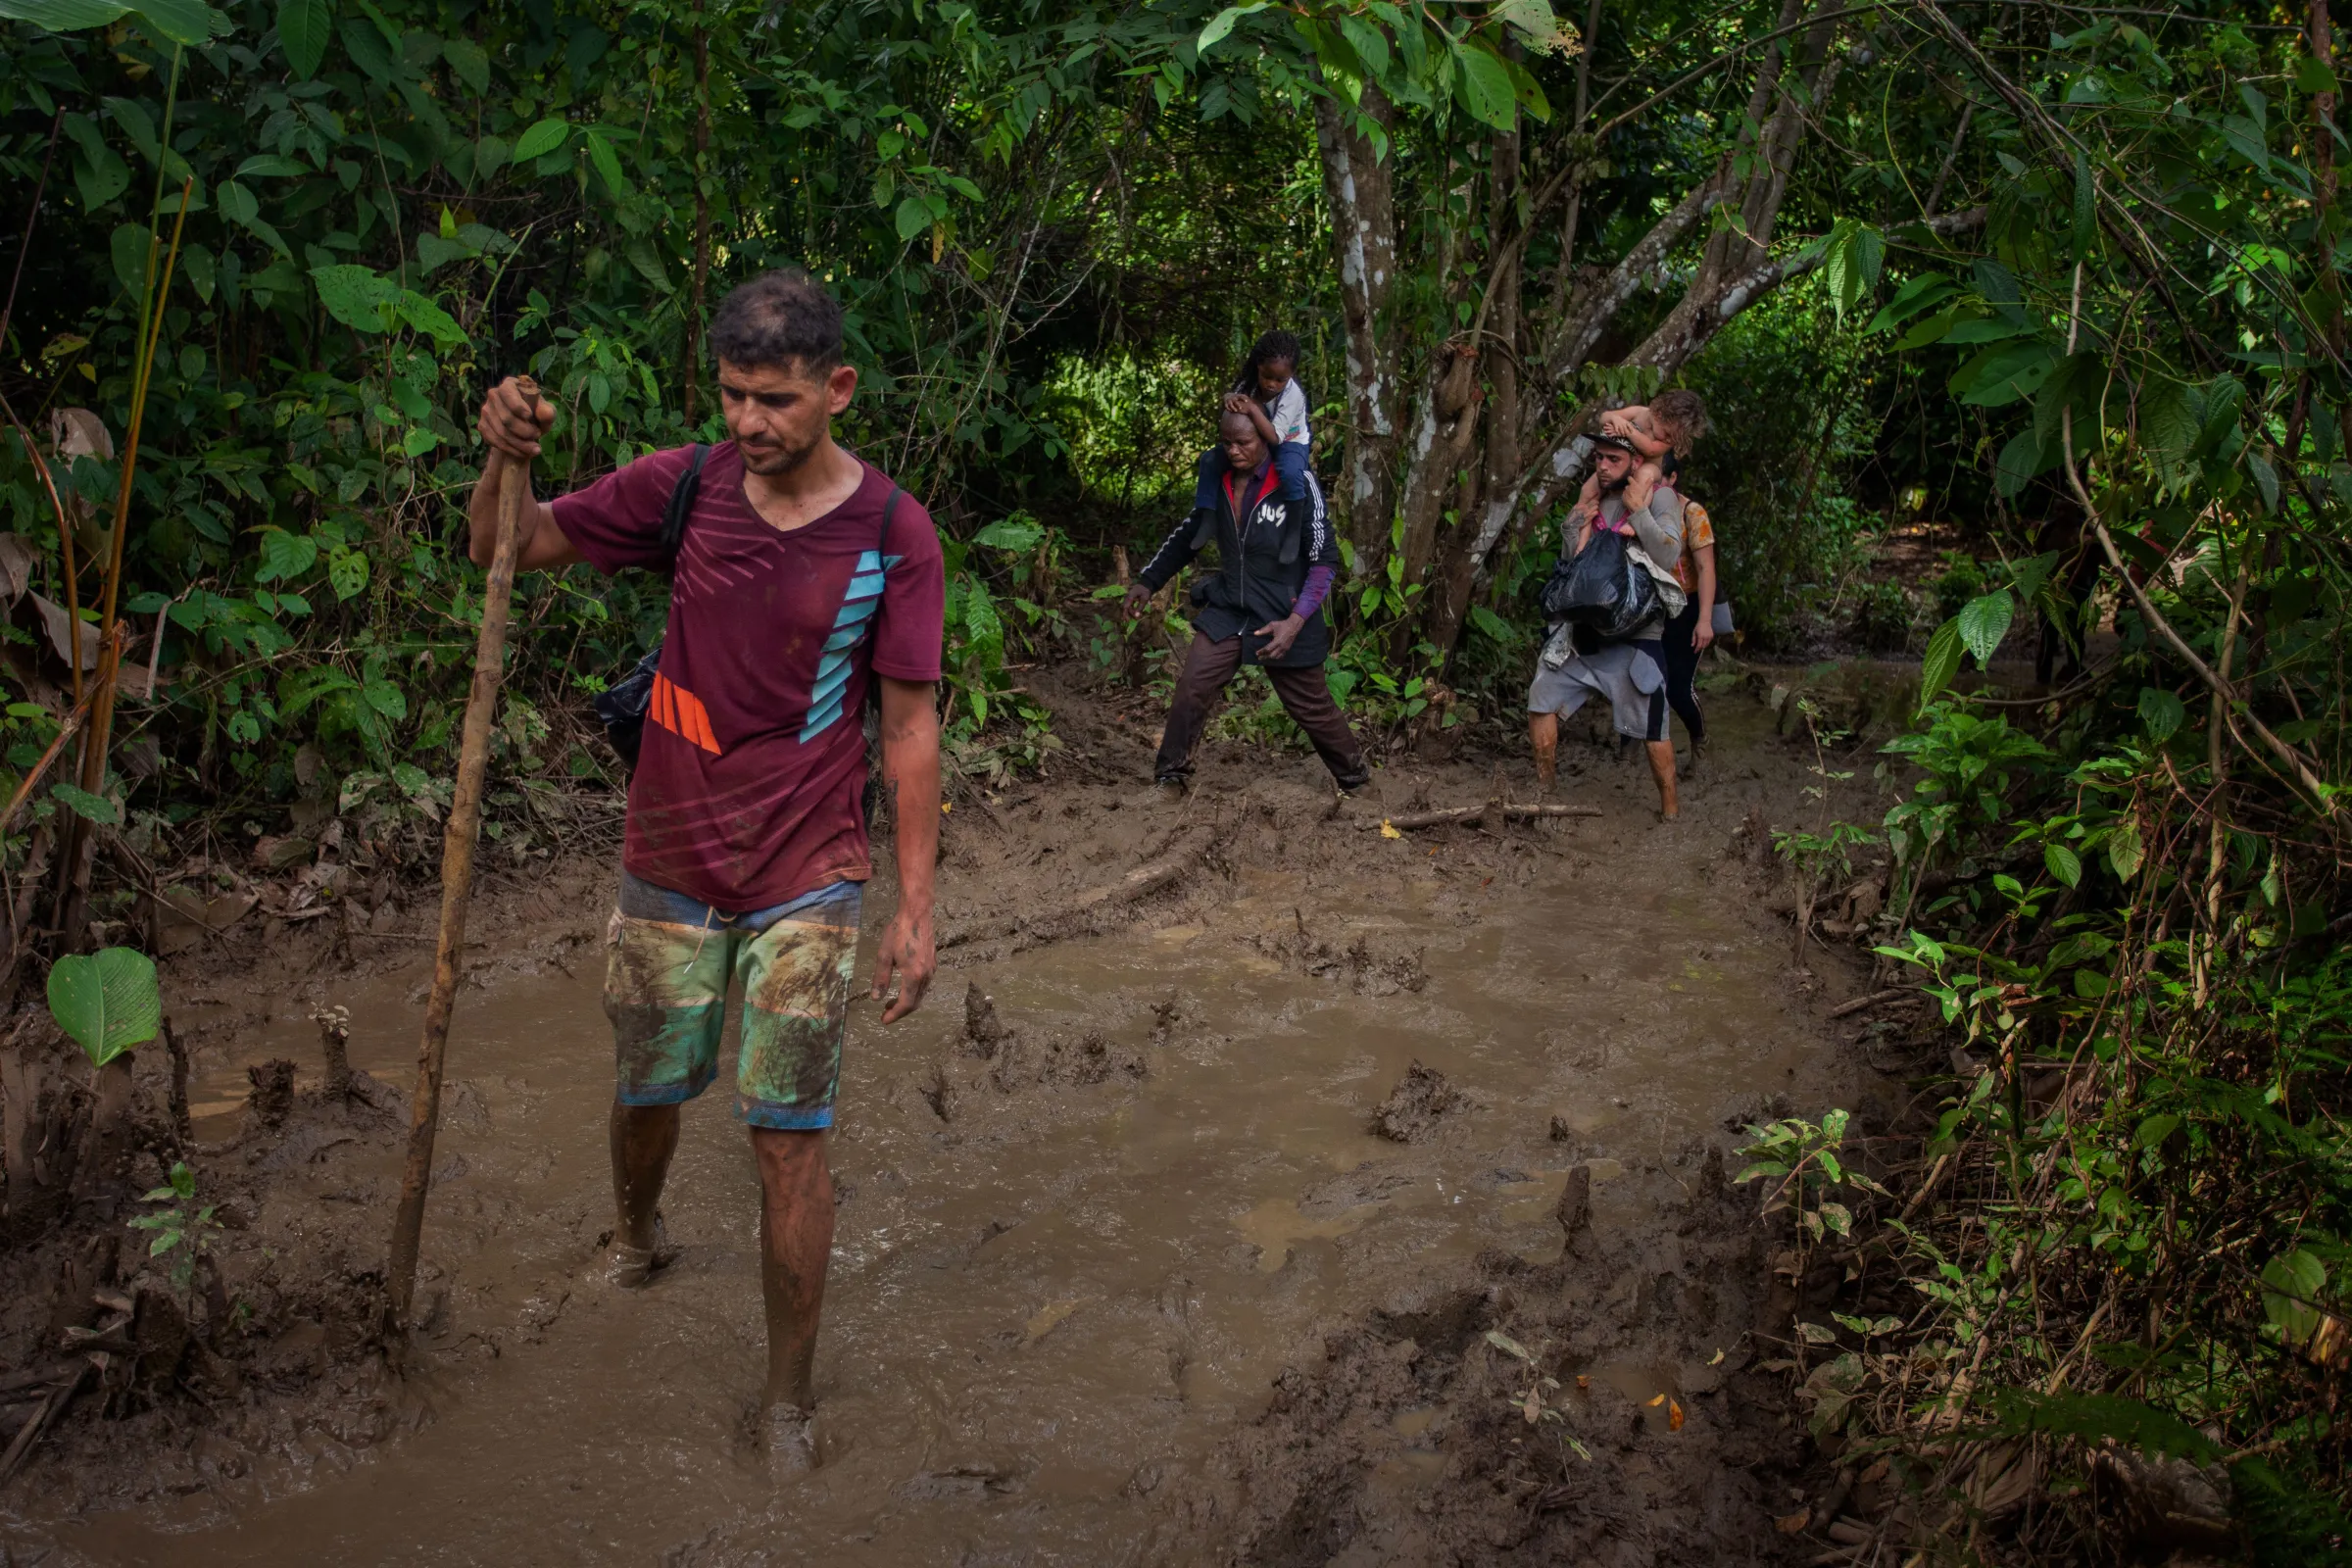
[1602,586]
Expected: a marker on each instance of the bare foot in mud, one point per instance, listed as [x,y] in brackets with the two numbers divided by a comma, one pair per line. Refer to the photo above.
[633,1268]
[788,1434]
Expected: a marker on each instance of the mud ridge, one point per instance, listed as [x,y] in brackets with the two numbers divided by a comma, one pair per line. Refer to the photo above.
[1603,1409]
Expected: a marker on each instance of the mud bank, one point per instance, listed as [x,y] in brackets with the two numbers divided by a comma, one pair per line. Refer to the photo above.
[1126,1270]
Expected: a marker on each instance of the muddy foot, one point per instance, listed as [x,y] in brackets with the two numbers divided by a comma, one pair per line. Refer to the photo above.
[791,1441]
[632,1268]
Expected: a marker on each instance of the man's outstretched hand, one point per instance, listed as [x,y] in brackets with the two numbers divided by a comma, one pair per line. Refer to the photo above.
[513,422]
[1280,635]
[1137,596]
[909,950]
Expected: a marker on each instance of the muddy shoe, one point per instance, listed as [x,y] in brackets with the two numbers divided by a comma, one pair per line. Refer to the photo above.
[788,1432]
[632,1268]
[1166,792]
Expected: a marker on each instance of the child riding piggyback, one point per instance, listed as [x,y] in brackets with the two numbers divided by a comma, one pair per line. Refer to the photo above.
[1267,390]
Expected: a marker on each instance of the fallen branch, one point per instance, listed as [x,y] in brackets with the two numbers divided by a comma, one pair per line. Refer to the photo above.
[1477,814]
[59,1398]
[1847,1009]
[1134,885]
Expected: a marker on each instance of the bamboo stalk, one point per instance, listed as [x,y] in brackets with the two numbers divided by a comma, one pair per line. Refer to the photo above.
[457,885]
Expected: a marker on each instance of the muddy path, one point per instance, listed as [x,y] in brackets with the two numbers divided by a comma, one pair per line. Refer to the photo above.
[1114,1215]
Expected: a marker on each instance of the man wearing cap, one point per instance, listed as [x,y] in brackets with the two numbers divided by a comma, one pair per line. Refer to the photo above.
[1630,671]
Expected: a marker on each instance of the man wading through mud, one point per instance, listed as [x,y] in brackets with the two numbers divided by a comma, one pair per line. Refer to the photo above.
[803,574]
[1264,606]
[1629,671]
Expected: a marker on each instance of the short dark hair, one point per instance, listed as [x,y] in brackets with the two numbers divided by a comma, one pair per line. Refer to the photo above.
[776,319]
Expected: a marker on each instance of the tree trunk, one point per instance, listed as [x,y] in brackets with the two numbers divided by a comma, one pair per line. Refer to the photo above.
[1364,229]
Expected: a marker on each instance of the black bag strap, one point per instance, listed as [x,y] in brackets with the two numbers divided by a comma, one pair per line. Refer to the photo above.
[681,502]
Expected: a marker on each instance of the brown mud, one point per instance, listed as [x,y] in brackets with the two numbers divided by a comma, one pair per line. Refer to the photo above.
[1171,1230]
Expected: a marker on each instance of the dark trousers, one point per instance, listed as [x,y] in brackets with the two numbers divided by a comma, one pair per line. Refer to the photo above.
[1305,696]
[1682,671]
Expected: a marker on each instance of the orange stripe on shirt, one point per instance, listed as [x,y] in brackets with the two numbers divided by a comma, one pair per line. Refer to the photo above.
[681,712]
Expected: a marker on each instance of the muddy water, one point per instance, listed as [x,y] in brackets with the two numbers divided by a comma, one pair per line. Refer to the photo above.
[1041,1311]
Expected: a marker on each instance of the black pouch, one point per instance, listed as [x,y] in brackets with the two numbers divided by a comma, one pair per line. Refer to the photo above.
[1601,586]
[622,705]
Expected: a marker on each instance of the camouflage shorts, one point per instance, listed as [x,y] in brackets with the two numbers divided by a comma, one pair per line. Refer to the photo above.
[672,959]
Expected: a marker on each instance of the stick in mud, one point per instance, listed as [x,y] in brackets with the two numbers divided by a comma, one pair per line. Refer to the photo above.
[1473,813]
[457,888]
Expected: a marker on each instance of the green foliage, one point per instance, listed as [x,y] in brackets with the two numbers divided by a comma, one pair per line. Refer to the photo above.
[1810,1171]
[108,1001]
[181,1228]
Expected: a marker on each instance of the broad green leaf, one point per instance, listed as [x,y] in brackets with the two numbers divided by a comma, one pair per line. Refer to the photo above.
[386,698]
[1222,24]
[365,42]
[1941,662]
[82,804]
[183,21]
[608,165]
[355,295]
[1015,534]
[131,259]
[108,1001]
[2291,1296]
[430,318]
[648,261]
[303,30]
[2064,864]
[1915,296]
[62,16]
[2124,850]
[2162,713]
[285,556]
[2311,75]
[347,573]
[268,164]
[541,139]
[913,217]
[468,63]
[2168,427]
[2004,374]
[236,203]
[1484,87]
[2020,458]
[1985,621]
[2155,1130]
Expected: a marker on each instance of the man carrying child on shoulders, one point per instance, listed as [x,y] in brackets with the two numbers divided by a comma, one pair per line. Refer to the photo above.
[1264,604]
[1628,670]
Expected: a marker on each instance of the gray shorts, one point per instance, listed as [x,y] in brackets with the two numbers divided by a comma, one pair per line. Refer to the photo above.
[1631,675]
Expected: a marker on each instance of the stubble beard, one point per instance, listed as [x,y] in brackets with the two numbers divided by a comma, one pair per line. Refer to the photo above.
[774,462]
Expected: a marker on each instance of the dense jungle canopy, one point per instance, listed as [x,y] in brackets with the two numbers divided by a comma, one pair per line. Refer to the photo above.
[2064,281]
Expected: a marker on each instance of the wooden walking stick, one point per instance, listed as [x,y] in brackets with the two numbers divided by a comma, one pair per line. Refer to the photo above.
[456,880]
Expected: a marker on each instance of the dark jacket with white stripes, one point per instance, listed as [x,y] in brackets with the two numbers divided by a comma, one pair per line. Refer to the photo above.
[1263,558]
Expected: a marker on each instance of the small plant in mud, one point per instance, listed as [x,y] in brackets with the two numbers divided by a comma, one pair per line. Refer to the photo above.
[182,1227]
[1531,1400]
[1805,1159]
[1817,862]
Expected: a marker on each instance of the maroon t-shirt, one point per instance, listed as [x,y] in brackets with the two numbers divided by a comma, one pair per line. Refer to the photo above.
[746,790]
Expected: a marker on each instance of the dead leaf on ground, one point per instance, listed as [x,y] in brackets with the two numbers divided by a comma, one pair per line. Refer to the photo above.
[1792,1523]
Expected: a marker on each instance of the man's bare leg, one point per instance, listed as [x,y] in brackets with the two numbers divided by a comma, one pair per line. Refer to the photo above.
[1661,767]
[643,1138]
[795,1242]
[1543,731]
